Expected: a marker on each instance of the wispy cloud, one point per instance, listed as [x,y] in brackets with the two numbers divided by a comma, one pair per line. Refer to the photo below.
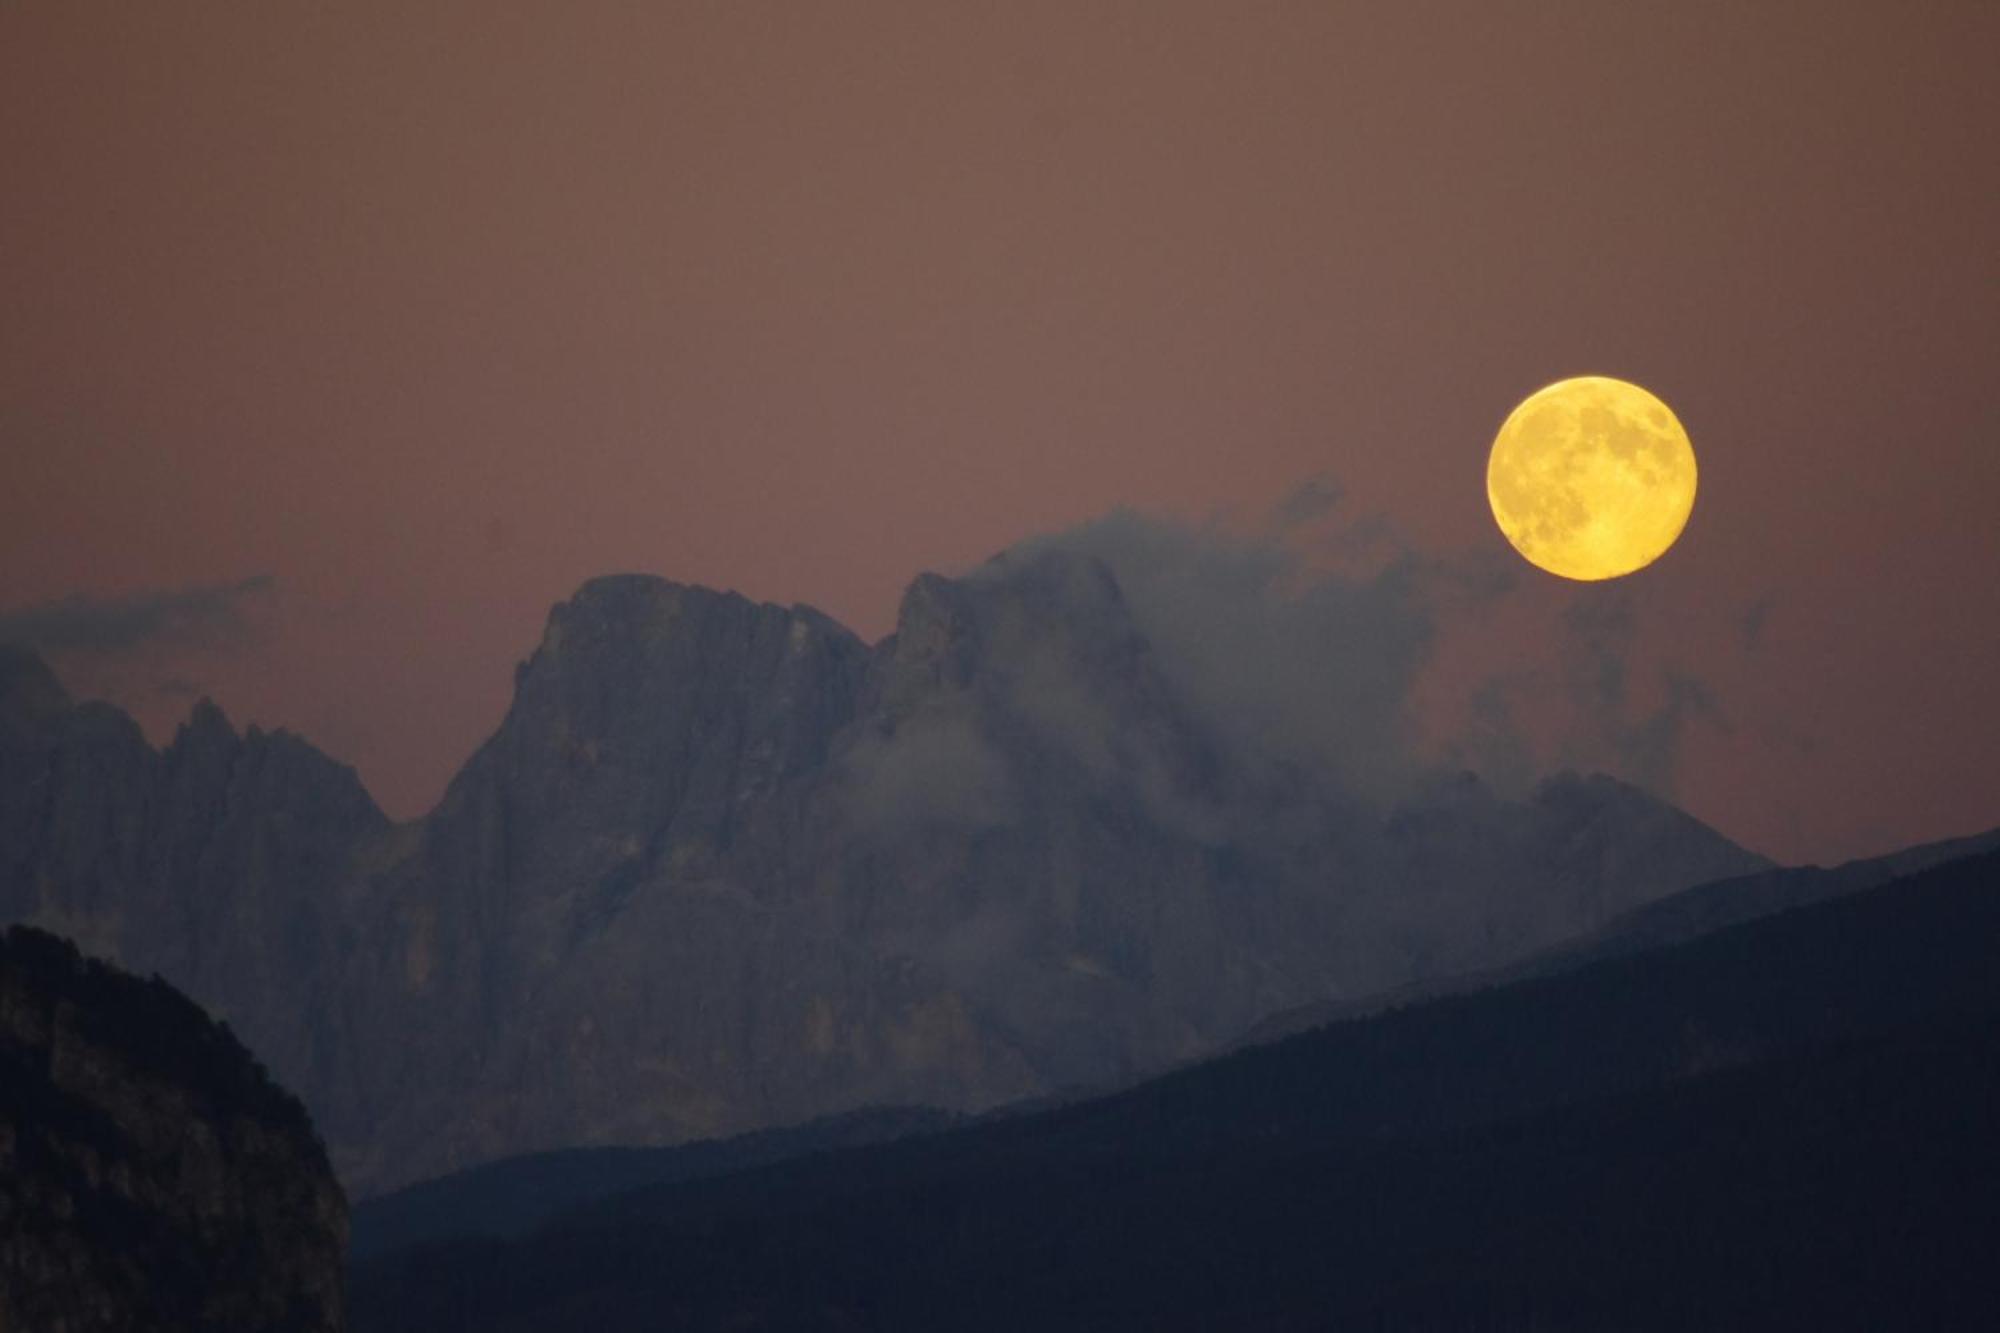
[206,616]
[1642,744]
[1287,659]
[1291,661]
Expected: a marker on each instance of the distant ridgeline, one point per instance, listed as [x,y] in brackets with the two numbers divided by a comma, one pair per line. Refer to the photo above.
[152,1177]
[1786,1123]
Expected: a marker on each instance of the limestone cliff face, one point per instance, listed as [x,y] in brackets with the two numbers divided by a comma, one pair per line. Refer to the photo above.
[724,866]
[220,862]
[151,1176]
[609,931]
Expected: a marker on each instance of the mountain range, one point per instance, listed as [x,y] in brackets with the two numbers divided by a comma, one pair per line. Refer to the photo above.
[725,866]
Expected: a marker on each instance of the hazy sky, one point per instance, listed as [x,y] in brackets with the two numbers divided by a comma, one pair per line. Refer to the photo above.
[341,340]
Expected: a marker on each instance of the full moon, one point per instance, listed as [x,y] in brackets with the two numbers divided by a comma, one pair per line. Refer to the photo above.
[1591,478]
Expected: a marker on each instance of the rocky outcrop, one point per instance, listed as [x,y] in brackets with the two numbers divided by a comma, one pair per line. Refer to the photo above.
[151,1175]
[223,862]
[623,857]
[725,866]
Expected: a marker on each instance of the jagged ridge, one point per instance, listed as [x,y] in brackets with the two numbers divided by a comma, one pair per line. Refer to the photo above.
[724,866]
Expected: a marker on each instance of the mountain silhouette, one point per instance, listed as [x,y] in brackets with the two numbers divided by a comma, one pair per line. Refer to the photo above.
[1785,1123]
[1672,919]
[723,866]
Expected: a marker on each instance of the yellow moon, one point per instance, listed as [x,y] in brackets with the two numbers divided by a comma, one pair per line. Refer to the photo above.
[1591,478]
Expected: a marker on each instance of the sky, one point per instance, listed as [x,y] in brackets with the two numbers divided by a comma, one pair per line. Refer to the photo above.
[342,341]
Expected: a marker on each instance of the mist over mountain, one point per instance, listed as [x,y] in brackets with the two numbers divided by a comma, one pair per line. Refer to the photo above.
[723,865]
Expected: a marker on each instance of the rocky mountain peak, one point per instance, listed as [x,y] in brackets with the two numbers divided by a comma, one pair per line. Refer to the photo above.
[207,730]
[648,713]
[630,645]
[936,639]
[1023,618]
[616,610]
[1027,674]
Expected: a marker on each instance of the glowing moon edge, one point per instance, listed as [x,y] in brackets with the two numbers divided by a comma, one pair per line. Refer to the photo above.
[1591,478]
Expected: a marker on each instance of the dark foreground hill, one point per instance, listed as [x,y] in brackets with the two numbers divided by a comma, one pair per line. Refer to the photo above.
[1784,1124]
[1673,919]
[151,1176]
[516,1196]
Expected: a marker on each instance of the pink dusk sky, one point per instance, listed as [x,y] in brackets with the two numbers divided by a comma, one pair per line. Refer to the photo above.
[339,341]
